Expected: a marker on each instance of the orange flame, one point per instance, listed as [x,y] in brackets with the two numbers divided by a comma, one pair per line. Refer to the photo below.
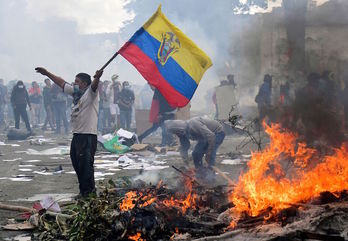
[129,201]
[184,203]
[132,197]
[136,237]
[269,184]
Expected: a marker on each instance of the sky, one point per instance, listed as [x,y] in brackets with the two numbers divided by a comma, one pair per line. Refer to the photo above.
[72,36]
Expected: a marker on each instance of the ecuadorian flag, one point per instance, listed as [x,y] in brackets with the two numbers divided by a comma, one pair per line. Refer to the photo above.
[167,59]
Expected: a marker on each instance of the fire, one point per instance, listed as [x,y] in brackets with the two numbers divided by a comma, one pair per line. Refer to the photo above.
[180,201]
[184,203]
[271,184]
[129,201]
[136,237]
[131,198]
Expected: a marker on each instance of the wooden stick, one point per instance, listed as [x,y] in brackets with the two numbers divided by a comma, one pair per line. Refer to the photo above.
[109,61]
[30,210]
[189,177]
[17,208]
[230,181]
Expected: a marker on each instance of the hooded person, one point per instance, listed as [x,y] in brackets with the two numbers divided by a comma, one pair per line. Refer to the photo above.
[208,133]
[84,119]
[19,101]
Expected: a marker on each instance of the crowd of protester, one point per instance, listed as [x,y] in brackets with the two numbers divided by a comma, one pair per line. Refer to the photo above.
[44,105]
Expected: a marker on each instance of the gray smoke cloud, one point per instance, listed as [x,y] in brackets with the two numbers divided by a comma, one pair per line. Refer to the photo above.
[71,36]
[68,37]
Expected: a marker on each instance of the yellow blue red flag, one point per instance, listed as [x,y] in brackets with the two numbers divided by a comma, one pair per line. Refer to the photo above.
[167,59]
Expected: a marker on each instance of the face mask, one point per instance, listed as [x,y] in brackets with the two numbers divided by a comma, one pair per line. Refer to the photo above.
[76,88]
[20,86]
[77,94]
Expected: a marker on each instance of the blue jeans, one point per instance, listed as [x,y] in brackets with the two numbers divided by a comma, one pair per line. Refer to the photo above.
[125,119]
[167,138]
[60,114]
[201,148]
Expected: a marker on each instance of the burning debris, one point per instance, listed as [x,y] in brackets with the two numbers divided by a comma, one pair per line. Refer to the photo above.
[141,212]
[290,191]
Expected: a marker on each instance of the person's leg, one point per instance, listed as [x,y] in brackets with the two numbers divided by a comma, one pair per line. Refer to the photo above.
[24,114]
[219,138]
[122,119]
[85,151]
[44,127]
[16,116]
[74,156]
[38,114]
[104,118]
[167,137]
[63,115]
[153,128]
[108,117]
[129,119]
[57,114]
[50,116]
[198,153]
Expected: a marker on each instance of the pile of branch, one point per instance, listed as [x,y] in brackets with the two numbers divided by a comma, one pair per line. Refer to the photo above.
[150,216]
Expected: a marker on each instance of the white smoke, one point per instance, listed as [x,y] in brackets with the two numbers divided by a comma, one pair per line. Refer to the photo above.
[91,17]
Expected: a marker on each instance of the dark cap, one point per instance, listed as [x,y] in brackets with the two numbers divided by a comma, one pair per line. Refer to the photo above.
[84,77]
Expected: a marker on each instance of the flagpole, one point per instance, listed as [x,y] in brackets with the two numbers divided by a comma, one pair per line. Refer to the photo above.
[109,61]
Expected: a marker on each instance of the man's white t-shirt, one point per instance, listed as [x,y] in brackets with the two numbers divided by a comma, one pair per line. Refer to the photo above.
[84,115]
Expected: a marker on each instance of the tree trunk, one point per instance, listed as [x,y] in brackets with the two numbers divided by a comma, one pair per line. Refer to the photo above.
[295,23]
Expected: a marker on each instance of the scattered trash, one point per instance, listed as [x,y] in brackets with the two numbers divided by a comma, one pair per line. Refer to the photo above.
[17,179]
[44,172]
[49,203]
[58,169]
[38,141]
[125,159]
[62,150]
[125,134]
[56,196]
[139,147]
[21,237]
[115,146]
[12,160]
[127,138]
[19,226]
[30,161]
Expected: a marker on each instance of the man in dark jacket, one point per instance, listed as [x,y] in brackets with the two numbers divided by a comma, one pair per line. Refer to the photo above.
[208,133]
[263,97]
[19,101]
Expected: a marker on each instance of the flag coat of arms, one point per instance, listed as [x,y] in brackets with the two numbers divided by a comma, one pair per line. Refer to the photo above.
[167,59]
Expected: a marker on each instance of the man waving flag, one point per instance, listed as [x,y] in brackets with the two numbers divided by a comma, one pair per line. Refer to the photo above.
[167,59]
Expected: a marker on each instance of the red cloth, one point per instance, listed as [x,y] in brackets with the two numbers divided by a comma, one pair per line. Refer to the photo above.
[154,111]
[34,90]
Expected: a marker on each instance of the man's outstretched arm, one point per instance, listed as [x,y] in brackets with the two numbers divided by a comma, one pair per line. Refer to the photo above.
[56,79]
[95,81]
